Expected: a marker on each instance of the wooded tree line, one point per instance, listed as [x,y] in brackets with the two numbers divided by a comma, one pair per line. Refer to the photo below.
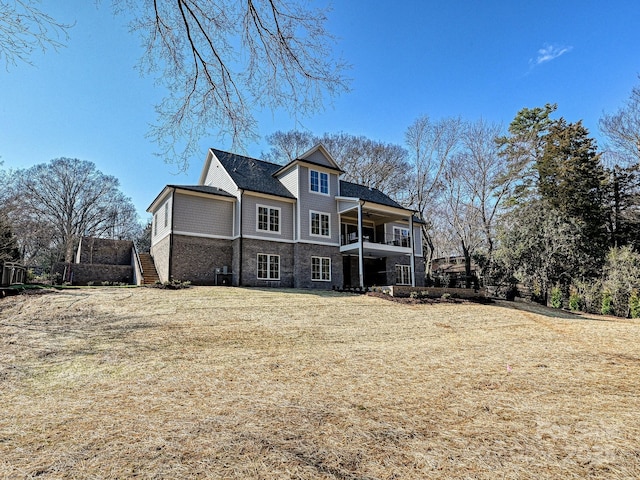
[45,209]
[539,206]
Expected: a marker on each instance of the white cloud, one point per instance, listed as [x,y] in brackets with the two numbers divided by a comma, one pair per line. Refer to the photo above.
[548,53]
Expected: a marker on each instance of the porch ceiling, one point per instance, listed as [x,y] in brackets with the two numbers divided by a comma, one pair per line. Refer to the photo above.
[375,216]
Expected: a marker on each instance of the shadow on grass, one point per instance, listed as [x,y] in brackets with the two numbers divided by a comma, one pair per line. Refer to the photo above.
[554,312]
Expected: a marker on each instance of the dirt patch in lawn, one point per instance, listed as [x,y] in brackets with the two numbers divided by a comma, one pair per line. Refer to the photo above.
[247,383]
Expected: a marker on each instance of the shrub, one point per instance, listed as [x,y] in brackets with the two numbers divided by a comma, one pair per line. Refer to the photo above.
[413,295]
[172,285]
[556,297]
[634,304]
[607,304]
[575,302]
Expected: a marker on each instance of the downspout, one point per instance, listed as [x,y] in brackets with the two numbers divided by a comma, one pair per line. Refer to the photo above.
[173,202]
[413,260]
[360,246]
[240,239]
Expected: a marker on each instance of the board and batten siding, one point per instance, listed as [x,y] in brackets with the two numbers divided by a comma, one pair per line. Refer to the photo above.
[250,217]
[198,215]
[162,220]
[317,202]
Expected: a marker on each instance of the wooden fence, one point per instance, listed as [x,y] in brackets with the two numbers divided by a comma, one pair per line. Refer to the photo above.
[13,273]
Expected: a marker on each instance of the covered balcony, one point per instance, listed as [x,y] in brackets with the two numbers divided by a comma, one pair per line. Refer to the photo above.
[371,230]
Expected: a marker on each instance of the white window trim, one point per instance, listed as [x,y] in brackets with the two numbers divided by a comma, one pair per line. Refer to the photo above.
[319,235]
[166,214]
[155,224]
[320,192]
[270,258]
[408,268]
[269,207]
[320,279]
[400,230]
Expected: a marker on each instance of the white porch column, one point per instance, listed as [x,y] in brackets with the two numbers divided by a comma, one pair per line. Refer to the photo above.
[360,247]
[413,259]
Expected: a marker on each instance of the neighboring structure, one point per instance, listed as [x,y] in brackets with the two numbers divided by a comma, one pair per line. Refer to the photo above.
[100,260]
[451,271]
[255,223]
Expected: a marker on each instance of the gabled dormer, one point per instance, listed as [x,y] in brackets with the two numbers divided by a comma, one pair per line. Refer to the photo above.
[315,171]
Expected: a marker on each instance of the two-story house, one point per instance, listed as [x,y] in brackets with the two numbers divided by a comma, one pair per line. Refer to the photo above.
[297,225]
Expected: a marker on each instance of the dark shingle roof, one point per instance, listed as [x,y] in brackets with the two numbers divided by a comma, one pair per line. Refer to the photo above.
[203,189]
[348,189]
[252,174]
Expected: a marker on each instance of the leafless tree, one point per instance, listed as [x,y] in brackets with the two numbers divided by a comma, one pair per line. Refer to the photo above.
[482,174]
[430,145]
[68,198]
[287,146]
[622,129]
[365,161]
[24,28]
[223,60]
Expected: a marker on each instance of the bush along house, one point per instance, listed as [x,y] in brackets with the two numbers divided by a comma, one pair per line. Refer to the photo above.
[253,223]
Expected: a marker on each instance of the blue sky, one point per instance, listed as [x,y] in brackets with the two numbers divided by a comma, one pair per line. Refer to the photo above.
[409,58]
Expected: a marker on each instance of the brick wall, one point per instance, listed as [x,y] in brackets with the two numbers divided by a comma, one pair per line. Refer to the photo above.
[160,254]
[196,259]
[250,250]
[83,273]
[104,251]
[302,274]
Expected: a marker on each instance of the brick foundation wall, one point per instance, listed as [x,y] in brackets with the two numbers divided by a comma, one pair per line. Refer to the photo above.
[83,273]
[302,274]
[250,250]
[196,259]
[160,254]
[105,251]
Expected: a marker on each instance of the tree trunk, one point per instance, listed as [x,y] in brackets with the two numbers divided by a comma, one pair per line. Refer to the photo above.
[467,266]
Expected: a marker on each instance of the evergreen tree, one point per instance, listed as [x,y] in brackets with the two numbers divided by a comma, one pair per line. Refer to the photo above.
[9,251]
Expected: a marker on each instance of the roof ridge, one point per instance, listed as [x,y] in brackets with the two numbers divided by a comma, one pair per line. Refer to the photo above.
[247,157]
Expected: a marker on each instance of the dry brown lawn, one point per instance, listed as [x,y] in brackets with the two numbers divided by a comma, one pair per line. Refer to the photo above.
[262,384]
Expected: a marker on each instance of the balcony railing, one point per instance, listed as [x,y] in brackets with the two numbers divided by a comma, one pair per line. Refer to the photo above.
[391,240]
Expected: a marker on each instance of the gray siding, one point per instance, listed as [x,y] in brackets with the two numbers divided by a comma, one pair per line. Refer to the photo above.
[310,201]
[203,215]
[319,158]
[163,221]
[250,212]
[417,241]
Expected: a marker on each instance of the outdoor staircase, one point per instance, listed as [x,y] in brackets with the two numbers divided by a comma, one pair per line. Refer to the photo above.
[149,272]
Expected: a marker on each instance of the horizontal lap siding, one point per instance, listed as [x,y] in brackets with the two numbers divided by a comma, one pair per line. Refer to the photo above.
[161,229]
[217,176]
[203,215]
[310,201]
[250,212]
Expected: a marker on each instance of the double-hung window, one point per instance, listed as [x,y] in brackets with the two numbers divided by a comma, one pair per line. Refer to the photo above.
[268,267]
[320,224]
[268,219]
[403,274]
[321,268]
[319,182]
[401,237]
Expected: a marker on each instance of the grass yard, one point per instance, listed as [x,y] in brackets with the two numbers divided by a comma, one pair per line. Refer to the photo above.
[262,384]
